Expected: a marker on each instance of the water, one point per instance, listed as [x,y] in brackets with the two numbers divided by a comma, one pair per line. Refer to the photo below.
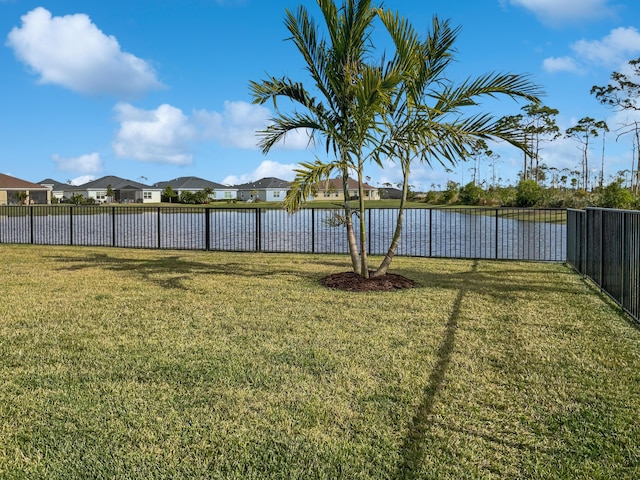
[455,233]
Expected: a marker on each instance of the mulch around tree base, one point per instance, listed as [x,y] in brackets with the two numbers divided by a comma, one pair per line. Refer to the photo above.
[353,282]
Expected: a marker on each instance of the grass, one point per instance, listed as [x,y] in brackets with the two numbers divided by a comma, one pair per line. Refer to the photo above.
[169,364]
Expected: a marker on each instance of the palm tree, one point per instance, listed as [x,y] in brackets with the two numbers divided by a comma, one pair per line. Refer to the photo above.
[371,111]
[351,94]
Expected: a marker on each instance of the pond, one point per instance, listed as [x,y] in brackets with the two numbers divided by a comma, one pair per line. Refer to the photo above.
[456,233]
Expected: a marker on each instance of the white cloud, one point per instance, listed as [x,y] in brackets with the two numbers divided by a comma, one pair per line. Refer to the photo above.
[238,126]
[561,64]
[89,163]
[72,52]
[162,135]
[615,49]
[167,135]
[267,168]
[618,46]
[81,180]
[555,12]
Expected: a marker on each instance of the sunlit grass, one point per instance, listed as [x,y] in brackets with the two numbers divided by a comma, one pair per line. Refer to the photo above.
[169,364]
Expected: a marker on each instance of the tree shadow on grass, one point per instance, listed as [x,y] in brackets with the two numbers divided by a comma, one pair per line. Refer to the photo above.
[412,449]
[500,284]
[172,271]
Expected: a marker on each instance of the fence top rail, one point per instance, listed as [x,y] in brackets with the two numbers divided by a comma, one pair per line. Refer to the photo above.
[620,210]
[308,207]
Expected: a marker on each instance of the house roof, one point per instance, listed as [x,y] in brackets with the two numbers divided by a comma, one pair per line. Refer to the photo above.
[191,183]
[265,184]
[116,183]
[56,185]
[8,182]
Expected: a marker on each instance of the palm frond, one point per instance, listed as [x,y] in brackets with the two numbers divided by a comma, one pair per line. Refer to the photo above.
[306,182]
[492,85]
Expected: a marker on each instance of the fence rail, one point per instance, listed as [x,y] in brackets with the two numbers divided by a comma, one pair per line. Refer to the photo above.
[497,233]
[604,245]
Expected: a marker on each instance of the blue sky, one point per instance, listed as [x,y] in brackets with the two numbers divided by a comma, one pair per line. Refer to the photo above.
[152,90]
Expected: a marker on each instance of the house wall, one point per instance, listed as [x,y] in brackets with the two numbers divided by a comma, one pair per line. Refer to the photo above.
[250,195]
[338,195]
[3,197]
[275,195]
[151,196]
[225,194]
[99,195]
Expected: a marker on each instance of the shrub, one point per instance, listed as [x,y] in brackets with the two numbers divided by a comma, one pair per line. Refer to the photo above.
[614,196]
[431,197]
[187,197]
[470,194]
[450,195]
[528,193]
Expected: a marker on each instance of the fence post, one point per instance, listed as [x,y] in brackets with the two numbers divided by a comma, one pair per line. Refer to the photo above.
[70,224]
[31,224]
[258,231]
[368,214]
[113,226]
[313,230]
[158,230]
[207,228]
[430,237]
[496,233]
[601,254]
[623,232]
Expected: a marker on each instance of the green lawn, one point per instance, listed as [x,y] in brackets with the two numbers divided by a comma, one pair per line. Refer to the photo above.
[169,364]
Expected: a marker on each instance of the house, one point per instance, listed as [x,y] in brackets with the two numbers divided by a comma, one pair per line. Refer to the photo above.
[390,193]
[124,191]
[217,191]
[267,189]
[14,191]
[332,189]
[57,188]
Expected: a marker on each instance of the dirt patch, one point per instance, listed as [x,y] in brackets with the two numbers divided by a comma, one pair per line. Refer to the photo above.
[353,282]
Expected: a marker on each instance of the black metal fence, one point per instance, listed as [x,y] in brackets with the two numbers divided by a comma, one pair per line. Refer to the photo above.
[604,245]
[496,233]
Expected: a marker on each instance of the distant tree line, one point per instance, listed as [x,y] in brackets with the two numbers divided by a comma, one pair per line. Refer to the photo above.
[529,193]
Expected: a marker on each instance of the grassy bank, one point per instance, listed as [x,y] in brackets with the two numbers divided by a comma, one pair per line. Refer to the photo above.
[164,364]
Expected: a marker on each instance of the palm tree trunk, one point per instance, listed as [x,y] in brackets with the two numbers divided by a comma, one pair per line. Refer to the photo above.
[351,236]
[393,247]
[364,265]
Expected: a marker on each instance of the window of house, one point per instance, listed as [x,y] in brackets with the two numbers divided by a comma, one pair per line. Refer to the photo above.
[227,194]
[276,194]
[146,195]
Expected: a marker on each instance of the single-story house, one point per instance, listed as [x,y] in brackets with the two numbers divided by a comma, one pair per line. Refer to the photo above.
[57,188]
[332,189]
[124,191]
[196,184]
[14,191]
[269,189]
